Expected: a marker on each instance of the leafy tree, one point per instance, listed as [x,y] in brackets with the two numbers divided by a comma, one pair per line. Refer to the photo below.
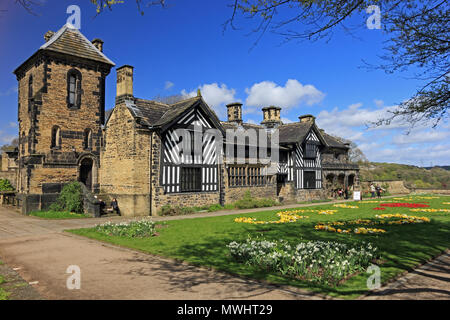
[14,143]
[355,154]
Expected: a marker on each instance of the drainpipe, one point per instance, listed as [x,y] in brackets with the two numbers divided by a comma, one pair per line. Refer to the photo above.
[150,168]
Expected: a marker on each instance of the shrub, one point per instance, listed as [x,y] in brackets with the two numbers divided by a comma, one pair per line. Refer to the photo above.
[5,185]
[168,210]
[215,207]
[70,199]
[131,229]
[247,202]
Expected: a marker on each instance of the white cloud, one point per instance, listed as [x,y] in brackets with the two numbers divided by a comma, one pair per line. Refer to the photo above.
[421,136]
[387,143]
[286,120]
[293,93]
[13,125]
[168,85]
[215,96]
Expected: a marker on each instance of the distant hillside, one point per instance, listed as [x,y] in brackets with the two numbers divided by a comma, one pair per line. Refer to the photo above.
[442,167]
[413,176]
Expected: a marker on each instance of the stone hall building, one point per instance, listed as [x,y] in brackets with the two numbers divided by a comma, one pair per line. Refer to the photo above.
[135,153]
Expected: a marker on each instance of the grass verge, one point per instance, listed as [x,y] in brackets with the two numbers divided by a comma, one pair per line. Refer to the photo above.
[203,241]
[51,214]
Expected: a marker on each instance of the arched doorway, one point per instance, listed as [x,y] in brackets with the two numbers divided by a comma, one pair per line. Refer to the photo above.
[341,180]
[351,181]
[86,172]
[330,180]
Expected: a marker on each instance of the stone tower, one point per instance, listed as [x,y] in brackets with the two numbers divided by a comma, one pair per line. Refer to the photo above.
[61,110]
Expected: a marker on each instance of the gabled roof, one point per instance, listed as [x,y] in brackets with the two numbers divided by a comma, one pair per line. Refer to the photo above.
[294,132]
[69,40]
[160,115]
[333,142]
[175,110]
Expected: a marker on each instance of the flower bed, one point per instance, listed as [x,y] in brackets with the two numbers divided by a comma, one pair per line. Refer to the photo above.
[383,219]
[316,261]
[345,206]
[430,210]
[132,229]
[405,205]
[285,216]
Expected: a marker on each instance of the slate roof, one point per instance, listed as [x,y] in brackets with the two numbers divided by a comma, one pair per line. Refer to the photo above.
[175,110]
[157,114]
[293,132]
[69,40]
[333,142]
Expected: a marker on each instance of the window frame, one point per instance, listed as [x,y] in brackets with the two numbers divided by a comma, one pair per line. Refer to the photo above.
[76,93]
[55,138]
[312,178]
[190,179]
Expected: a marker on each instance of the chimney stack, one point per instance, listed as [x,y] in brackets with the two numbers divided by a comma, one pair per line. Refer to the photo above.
[235,112]
[124,82]
[271,117]
[48,35]
[98,43]
[307,118]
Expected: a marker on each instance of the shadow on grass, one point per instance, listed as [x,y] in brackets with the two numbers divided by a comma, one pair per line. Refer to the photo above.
[402,247]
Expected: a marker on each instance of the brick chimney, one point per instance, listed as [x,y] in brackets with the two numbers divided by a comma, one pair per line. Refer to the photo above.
[124,82]
[271,117]
[98,43]
[48,35]
[235,112]
[307,118]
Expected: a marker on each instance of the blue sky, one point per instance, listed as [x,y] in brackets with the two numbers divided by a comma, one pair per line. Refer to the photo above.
[183,47]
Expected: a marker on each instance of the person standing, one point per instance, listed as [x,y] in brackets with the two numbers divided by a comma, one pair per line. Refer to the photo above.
[378,189]
[115,206]
[372,191]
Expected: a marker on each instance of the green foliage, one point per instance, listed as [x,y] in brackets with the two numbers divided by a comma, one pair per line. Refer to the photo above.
[414,177]
[5,185]
[131,229]
[248,202]
[168,210]
[55,214]
[70,199]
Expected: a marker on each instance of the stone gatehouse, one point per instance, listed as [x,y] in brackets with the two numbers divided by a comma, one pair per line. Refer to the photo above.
[137,153]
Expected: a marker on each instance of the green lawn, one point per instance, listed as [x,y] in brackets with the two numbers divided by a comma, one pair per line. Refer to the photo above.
[57,215]
[3,294]
[203,241]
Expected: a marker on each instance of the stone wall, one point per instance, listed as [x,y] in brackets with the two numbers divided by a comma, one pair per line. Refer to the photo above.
[38,162]
[310,194]
[394,187]
[125,163]
[434,191]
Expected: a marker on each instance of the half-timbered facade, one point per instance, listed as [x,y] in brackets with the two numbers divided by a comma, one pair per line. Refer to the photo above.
[149,154]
